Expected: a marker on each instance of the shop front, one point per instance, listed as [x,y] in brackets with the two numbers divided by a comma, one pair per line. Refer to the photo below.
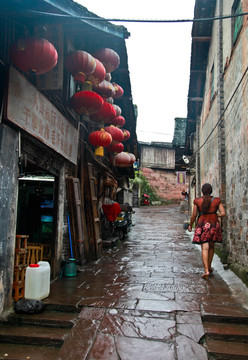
[39,150]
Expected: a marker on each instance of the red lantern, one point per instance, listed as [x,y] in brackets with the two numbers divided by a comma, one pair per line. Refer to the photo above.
[33,54]
[106,114]
[118,121]
[115,148]
[98,74]
[121,160]
[117,109]
[109,58]
[105,88]
[132,158]
[80,64]
[116,133]
[126,134]
[118,91]
[108,77]
[86,102]
[100,139]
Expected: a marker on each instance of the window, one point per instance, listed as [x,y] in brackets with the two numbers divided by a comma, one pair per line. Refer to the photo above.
[237,21]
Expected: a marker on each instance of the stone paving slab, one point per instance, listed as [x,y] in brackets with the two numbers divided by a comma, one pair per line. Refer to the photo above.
[144,298]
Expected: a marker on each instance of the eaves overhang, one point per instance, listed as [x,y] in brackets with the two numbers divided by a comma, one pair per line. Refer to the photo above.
[201,38]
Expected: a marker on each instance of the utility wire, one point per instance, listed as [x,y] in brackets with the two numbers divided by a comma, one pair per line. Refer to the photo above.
[139,20]
[223,112]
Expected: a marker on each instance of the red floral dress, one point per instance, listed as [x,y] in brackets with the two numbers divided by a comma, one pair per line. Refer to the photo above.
[208,227]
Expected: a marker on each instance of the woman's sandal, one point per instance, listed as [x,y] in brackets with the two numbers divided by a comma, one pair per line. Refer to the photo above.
[205,276]
[211,270]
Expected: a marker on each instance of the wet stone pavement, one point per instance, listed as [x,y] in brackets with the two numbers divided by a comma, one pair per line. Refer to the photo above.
[144,298]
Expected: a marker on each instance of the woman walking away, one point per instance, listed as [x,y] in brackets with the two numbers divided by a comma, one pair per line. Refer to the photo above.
[207,230]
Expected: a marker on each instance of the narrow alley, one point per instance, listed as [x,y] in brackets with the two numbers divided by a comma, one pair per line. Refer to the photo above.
[144,299]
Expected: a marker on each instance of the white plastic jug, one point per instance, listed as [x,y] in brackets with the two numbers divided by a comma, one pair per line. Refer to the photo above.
[37,281]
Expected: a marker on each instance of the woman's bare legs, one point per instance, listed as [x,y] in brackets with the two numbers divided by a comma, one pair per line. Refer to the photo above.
[205,259]
[210,256]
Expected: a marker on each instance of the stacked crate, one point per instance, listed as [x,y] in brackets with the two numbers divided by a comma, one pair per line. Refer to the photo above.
[20,266]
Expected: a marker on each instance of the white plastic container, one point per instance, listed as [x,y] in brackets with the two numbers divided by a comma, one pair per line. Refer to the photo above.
[37,281]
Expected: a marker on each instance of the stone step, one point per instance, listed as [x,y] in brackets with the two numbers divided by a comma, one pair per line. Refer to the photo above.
[48,318]
[224,350]
[24,352]
[32,335]
[224,313]
[226,331]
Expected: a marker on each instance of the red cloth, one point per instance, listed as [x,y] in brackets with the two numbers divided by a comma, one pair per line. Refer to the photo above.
[111,211]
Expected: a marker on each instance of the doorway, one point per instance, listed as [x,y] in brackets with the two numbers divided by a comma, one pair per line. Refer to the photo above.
[36,215]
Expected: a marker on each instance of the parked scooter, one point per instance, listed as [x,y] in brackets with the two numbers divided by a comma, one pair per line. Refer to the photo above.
[123,223]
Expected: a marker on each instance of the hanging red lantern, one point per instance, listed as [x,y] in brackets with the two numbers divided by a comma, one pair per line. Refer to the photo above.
[132,158]
[80,64]
[115,148]
[118,91]
[33,54]
[117,109]
[108,77]
[121,160]
[116,133]
[119,121]
[105,88]
[100,139]
[126,134]
[109,100]
[109,58]
[86,102]
[106,114]
[98,74]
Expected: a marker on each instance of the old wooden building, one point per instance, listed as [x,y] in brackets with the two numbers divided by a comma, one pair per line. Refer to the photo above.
[52,184]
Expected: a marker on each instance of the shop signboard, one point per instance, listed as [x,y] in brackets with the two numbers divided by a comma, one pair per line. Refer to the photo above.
[30,110]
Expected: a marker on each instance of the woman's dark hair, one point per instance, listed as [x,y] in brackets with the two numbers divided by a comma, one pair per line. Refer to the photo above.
[207,191]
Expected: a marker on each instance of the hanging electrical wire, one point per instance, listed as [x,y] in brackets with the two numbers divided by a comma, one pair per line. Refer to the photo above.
[97,18]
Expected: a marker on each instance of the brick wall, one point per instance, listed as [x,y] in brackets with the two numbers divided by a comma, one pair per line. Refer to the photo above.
[165,183]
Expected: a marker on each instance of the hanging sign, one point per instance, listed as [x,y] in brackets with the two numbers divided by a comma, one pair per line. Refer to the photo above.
[181,177]
[31,111]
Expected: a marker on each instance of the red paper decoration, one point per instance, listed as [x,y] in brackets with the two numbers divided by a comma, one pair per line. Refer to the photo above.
[118,121]
[126,134]
[106,114]
[100,139]
[86,102]
[105,88]
[115,148]
[98,74]
[108,77]
[121,160]
[80,64]
[118,91]
[117,109]
[116,133]
[132,158]
[109,58]
[33,54]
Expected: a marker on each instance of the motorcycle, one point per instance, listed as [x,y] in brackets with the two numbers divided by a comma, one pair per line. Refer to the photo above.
[123,223]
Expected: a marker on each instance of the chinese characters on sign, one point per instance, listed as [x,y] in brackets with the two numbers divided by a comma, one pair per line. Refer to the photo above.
[181,177]
[31,111]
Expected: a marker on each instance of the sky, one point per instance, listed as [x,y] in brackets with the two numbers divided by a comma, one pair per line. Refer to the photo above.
[158,60]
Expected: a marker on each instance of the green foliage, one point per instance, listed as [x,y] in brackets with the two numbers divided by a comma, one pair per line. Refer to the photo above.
[145,188]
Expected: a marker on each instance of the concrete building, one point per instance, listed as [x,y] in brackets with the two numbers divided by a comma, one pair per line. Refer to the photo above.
[51,182]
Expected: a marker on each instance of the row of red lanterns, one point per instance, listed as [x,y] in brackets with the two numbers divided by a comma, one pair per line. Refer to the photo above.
[40,56]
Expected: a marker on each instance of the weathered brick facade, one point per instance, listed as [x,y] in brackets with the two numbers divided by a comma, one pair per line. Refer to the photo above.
[165,183]
[223,129]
